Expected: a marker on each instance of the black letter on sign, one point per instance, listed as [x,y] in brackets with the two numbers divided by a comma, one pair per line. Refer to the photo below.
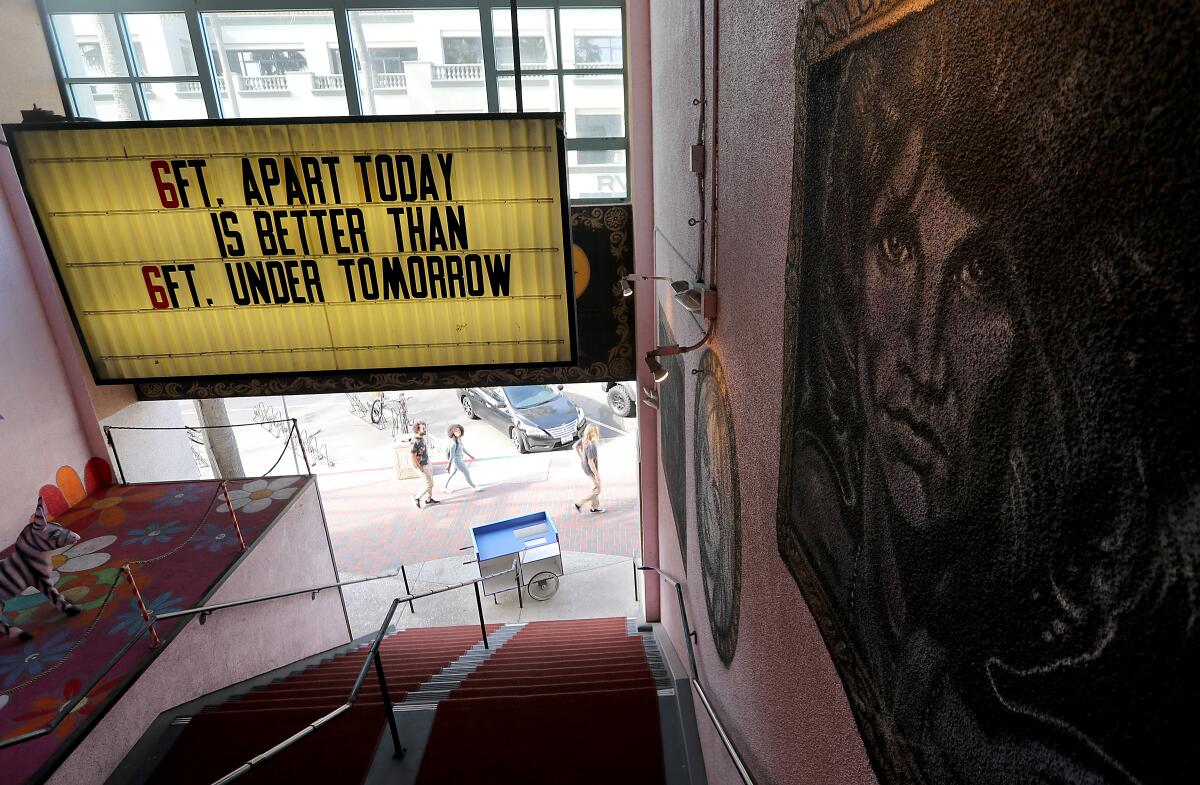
[474,275]
[498,269]
[242,296]
[367,279]
[250,184]
[393,279]
[416,275]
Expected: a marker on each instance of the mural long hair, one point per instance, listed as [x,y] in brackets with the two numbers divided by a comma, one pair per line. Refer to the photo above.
[1083,520]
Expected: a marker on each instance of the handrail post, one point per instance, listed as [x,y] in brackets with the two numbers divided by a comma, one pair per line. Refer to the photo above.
[482,626]
[300,440]
[398,751]
[233,513]
[687,631]
[116,455]
[517,570]
[635,586]
[137,596]
[408,591]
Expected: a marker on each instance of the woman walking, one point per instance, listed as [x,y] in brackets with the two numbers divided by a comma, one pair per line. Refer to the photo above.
[454,454]
[589,461]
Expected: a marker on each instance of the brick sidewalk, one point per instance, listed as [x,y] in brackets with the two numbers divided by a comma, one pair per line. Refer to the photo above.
[375,526]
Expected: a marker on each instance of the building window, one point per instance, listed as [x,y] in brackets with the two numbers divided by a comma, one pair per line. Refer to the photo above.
[267,62]
[461,50]
[533,52]
[599,50]
[89,51]
[391,59]
[134,60]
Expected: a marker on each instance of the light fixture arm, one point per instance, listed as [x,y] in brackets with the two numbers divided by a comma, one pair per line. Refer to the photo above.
[656,368]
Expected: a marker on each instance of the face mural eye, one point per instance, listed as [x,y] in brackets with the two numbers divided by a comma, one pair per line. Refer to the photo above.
[895,250]
[977,279]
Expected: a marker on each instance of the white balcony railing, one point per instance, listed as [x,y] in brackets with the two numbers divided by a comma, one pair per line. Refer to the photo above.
[328,82]
[470,72]
[262,84]
[391,82]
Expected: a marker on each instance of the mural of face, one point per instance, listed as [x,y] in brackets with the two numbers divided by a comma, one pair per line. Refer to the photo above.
[936,336]
[989,471]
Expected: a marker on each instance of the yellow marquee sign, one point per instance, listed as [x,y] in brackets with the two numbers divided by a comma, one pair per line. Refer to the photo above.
[190,250]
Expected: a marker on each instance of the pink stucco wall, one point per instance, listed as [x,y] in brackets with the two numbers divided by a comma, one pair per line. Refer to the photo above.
[47,398]
[41,428]
[45,393]
[781,699]
[232,645]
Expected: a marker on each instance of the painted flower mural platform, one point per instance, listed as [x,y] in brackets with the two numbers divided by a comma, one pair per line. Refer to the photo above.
[179,540]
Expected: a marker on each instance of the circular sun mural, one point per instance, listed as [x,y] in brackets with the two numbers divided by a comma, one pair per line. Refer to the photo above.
[583,269]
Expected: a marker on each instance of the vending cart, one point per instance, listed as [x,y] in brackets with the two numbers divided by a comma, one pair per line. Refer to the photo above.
[530,539]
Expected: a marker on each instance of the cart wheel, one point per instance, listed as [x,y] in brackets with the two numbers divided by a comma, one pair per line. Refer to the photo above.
[543,585]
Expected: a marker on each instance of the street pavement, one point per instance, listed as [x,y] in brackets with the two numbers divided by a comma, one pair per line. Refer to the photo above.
[375,526]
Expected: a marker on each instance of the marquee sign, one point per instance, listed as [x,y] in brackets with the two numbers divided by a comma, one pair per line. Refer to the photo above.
[236,248]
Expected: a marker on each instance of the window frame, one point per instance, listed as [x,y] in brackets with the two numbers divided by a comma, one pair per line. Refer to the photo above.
[341,9]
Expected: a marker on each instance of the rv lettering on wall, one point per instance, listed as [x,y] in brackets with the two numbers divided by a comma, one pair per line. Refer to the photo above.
[990,474]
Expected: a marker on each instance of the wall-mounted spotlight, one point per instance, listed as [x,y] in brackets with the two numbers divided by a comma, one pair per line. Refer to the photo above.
[656,368]
[627,290]
[688,297]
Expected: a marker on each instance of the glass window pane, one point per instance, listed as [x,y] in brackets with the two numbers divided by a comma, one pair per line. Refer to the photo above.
[597,174]
[90,45]
[595,105]
[538,50]
[421,61]
[592,38]
[105,101]
[161,44]
[539,93]
[173,101]
[462,49]
[275,63]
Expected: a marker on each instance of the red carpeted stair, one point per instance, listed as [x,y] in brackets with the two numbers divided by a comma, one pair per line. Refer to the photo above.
[562,701]
[221,738]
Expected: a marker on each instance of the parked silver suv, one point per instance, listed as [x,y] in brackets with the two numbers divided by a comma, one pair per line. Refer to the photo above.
[622,397]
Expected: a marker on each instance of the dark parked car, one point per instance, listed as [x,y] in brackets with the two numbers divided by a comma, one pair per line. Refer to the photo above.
[534,416]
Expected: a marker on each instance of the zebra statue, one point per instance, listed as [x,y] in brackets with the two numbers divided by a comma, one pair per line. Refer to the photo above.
[29,565]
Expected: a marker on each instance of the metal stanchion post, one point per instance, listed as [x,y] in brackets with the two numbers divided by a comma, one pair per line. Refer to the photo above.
[408,591]
[137,596]
[387,704]
[116,455]
[482,626]
[233,514]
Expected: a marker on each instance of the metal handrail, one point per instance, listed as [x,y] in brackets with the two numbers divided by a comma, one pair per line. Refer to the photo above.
[689,634]
[372,657]
[207,610]
[151,619]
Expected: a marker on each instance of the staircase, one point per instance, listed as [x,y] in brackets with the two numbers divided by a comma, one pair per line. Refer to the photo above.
[563,701]
[219,739]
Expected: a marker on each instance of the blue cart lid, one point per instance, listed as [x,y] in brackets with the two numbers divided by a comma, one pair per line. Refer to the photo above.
[513,535]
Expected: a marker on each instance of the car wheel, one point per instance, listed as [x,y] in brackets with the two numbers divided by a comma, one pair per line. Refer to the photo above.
[518,440]
[468,408]
[619,401]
